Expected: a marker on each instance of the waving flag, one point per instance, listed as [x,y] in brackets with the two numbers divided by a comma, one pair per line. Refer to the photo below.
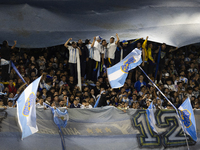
[26,110]
[4,62]
[60,118]
[187,117]
[151,117]
[117,74]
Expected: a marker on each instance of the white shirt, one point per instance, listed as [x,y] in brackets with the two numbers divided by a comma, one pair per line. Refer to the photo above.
[91,51]
[104,51]
[111,50]
[97,51]
[72,54]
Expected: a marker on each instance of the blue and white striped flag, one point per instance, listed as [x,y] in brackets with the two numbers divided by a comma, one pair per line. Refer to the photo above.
[187,117]
[26,109]
[151,117]
[117,74]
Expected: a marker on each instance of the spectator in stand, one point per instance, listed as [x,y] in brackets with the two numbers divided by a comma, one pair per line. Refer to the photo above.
[75,104]
[5,53]
[111,50]
[11,87]
[84,57]
[73,49]
[139,83]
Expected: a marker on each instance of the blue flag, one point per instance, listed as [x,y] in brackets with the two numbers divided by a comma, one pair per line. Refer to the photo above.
[26,110]
[151,117]
[187,117]
[117,74]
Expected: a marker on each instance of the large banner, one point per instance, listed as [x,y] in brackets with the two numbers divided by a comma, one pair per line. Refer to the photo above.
[100,129]
[43,23]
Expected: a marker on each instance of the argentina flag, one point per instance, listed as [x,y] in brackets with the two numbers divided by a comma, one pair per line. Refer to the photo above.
[117,74]
[151,117]
[61,118]
[26,110]
[187,117]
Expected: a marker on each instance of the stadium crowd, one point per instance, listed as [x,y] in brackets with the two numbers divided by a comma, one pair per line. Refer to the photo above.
[177,76]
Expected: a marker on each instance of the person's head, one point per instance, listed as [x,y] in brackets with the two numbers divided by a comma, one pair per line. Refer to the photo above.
[139,45]
[125,85]
[84,102]
[103,42]
[100,79]
[128,81]
[126,104]
[98,84]
[189,90]
[5,43]
[44,90]
[63,78]
[71,78]
[124,43]
[169,82]
[150,45]
[86,94]
[92,91]
[10,103]
[112,39]
[154,101]
[11,82]
[32,58]
[75,102]
[148,102]
[74,45]
[125,94]
[80,42]
[141,78]
[134,106]
[102,89]
[61,103]
[166,75]
[134,97]
[98,38]
[163,46]
[87,41]
[48,98]
[41,101]
[192,65]
[159,102]
[142,88]
[77,99]
[182,73]
[91,100]
[56,98]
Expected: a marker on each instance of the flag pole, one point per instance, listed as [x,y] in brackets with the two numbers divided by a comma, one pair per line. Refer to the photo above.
[170,104]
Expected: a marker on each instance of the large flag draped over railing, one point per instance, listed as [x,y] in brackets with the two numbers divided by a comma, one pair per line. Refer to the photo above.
[117,74]
[26,110]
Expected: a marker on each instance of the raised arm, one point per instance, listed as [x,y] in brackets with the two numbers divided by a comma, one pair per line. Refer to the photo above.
[117,38]
[145,43]
[156,51]
[15,43]
[92,45]
[173,49]
[66,43]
